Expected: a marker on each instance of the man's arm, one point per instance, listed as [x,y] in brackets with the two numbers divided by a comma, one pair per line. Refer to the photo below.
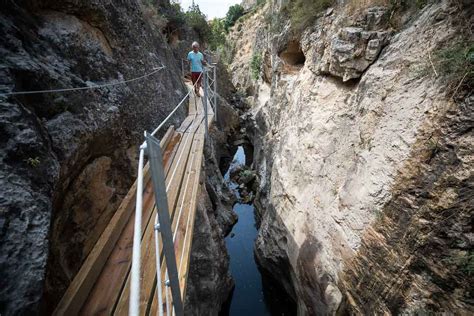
[203,61]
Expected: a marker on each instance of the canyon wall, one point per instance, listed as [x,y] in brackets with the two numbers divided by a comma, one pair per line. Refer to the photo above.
[364,159]
[67,159]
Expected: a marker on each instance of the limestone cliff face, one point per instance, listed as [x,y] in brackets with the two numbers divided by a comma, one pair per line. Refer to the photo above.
[67,159]
[359,210]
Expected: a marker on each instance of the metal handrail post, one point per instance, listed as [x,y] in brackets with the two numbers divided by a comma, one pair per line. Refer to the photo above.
[134,307]
[159,188]
[158,266]
[204,102]
[215,94]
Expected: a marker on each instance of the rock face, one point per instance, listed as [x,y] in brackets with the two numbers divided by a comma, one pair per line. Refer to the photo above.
[248,4]
[359,210]
[67,159]
[245,41]
[346,51]
[424,233]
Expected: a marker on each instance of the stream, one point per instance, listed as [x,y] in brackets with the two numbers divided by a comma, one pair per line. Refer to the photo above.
[254,293]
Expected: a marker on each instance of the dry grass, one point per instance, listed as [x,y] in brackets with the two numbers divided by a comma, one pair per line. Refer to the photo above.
[393,5]
[358,5]
[151,14]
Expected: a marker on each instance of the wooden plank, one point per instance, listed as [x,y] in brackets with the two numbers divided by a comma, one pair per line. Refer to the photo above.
[184,232]
[192,105]
[189,231]
[173,182]
[110,281]
[108,287]
[186,123]
[79,289]
[109,284]
[186,208]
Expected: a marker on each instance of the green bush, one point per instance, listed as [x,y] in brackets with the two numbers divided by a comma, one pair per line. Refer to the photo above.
[197,20]
[235,12]
[303,12]
[174,14]
[456,65]
[256,65]
[227,52]
[218,34]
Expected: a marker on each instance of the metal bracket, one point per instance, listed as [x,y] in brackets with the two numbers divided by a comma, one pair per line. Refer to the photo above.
[159,187]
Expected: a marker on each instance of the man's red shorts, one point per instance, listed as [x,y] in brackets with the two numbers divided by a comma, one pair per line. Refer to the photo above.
[195,77]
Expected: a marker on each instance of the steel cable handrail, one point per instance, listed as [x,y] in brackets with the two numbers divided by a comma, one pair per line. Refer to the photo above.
[176,108]
[155,70]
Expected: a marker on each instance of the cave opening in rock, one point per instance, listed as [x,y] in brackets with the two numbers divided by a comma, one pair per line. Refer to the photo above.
[292,55]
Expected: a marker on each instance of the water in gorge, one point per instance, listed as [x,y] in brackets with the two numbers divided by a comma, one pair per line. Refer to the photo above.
[254,293]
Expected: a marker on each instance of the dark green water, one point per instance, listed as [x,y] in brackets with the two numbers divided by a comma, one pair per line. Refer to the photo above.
[253,293]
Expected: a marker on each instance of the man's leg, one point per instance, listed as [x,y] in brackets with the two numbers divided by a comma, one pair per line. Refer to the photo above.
[198,85]
[194,78]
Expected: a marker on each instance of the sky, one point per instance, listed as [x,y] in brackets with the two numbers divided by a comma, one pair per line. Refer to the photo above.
[211,8]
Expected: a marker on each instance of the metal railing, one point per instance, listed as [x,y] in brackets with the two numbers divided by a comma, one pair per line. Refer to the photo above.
[162,225]
[210,80]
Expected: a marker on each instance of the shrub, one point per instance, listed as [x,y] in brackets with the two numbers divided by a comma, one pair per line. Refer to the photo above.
[393,4]
[227,52]
[197,20]
[456,65]
[256,65]
[235,12]
[303,12]
[174,14]
[33,162]
[218,34]
[151,13]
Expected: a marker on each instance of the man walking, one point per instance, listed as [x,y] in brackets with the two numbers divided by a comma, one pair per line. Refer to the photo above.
[197,61]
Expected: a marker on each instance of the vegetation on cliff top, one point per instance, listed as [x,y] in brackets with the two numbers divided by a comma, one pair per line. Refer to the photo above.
[302,12]
[198,21]
[234,13]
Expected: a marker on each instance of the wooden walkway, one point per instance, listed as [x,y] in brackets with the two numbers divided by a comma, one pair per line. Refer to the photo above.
[102,285]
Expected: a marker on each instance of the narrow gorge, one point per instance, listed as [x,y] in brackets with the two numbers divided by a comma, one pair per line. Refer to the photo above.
[336,175]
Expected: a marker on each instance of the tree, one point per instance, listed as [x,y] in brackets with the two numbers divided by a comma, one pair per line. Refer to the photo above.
[197,20]
[217,33]
[235,12]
